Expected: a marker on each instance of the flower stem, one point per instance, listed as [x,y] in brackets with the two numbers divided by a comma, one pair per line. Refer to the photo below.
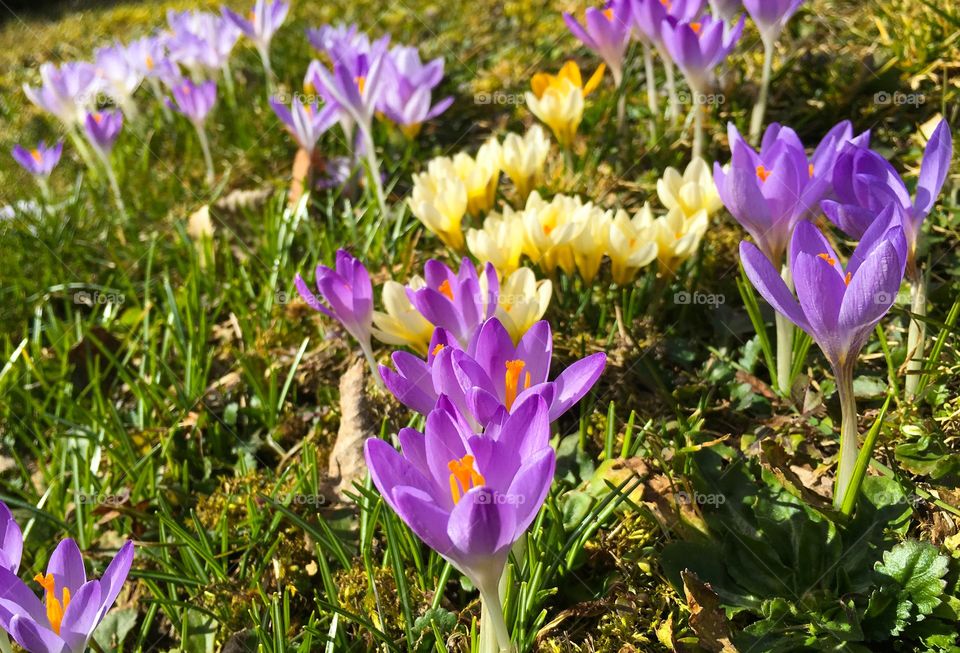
[83,151]
[205,146]
[760,108]
[673,110]
[373,166]
[492,611]
[228,83]
[5,643]
[917,334]
[849,447]
[267,70]
[158,93]
[784,345]
[372,362]
[699,111]
[652,102]
[112,180]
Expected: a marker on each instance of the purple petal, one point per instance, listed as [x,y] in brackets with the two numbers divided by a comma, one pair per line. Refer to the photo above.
[35,638]
[481,526]
[66,565]
[933,170]
[81,616]
[576,381]
[766,279]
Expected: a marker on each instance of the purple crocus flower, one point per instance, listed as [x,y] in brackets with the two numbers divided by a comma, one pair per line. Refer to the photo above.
[699,46]
[73,606]
[354,87]
[66,92]
[606,32]
[864,183]
[261,22]
[349,299]
[305,121]
[120,76]
[346,43]
[149,56]
[469,496]
[102,129]
[194,100]
[457,302]
[200,40]
[839,307]
[39,161]
[769,191]
[771,16]
[648,17]
[406,97]
[11,541]
[492,374]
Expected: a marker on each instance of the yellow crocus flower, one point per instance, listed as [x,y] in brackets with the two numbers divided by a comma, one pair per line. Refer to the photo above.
[633,244]
[592,241]
[401,324]
[558,100]
[501,241]
[523,300]
[551,228]
[480,176]
[439,201]
[524,158]
[691,192]
[678,238]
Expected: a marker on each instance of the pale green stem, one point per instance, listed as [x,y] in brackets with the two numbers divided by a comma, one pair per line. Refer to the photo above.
[267,70]
[849,447]
[112,180]
[44,190]
[158,93]
[674,107]
[760,108]
[490,602]
[785,345]
[207,158]
[75,137]
[373,166]
[372,362]
[917,334]
[5,643]
[228,83]
[699,111]
[652,101]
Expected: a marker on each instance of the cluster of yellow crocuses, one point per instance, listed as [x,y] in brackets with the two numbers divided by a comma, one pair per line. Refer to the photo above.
[564,232]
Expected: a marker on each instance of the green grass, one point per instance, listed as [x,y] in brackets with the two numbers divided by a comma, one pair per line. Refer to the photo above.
[170,389]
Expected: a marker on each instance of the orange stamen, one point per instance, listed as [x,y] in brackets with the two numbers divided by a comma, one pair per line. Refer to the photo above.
[609,14]
[512,379]
[463,477]
[437,349]
[98,118]
[446,290]
[846,279]
[36,155]
[763,173]
[826,257]
[149,62]
[810,170]
[695,27]
[361,81]
[55,608]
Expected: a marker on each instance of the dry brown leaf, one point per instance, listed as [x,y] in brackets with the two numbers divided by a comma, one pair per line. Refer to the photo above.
[707,618]
[347,463]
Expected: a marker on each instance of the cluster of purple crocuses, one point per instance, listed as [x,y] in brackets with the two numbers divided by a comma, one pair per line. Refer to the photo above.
[473,481]
[72,607]
[686,36]
[777,192]
[187,58]
[359,79]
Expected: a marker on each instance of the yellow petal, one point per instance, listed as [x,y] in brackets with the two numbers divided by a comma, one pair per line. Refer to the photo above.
[594,80]
[571,71]
[539,83]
